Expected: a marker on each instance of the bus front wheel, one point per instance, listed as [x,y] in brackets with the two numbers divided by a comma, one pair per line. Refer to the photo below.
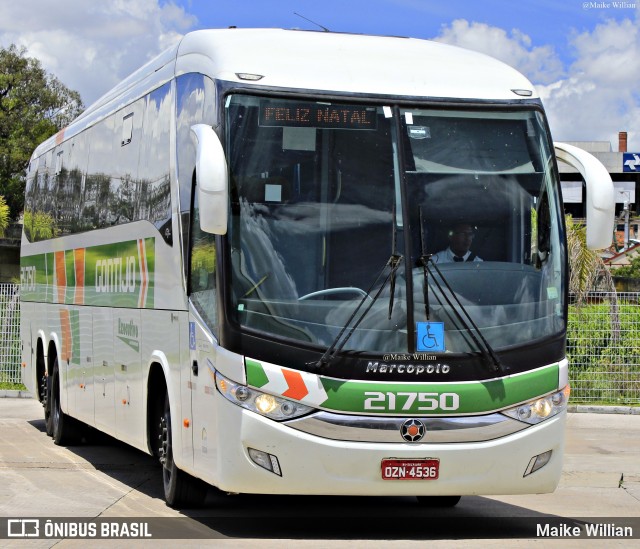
[180,488]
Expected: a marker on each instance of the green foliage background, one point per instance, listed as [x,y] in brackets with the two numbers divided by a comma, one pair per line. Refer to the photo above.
[4,215]
[604,358]
[34,105]
[630,271]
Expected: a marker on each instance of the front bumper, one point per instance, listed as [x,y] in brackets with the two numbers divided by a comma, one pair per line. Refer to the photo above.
[311,464]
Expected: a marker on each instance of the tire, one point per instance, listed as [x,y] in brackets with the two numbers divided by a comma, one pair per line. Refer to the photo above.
[180,488]
[65,429]
[438,501]
[45,397]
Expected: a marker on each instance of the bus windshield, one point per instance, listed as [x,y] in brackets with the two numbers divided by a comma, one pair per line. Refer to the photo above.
[323,194]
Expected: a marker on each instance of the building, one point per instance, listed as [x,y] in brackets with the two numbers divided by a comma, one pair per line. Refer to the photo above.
[624,168]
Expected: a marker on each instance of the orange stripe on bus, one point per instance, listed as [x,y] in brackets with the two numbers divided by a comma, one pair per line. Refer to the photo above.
[78,262]
[65,325]
[297,387]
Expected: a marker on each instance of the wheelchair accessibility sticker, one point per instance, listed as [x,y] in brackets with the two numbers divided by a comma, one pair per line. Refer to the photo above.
[431,337]
[192,336]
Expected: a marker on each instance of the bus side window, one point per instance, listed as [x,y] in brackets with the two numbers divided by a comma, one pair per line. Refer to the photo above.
[202,271]
[543,230]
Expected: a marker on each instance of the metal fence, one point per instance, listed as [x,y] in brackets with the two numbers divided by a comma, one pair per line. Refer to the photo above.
[10,334]
[603,346]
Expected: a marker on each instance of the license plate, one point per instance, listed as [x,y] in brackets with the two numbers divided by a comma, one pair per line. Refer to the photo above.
[410,469]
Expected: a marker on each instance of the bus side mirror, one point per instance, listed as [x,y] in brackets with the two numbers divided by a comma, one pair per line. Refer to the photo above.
[212,180]
[600,194]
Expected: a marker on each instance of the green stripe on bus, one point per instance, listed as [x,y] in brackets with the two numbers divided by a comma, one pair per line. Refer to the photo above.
[256,376]
[121,274]
[438,398]
[35,271]
[419,398]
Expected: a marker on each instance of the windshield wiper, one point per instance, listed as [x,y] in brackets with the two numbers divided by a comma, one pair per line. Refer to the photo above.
[394,253]
[460,312]
[341,339]
[424,262]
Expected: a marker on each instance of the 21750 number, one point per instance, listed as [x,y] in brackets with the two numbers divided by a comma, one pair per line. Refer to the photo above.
[404,401]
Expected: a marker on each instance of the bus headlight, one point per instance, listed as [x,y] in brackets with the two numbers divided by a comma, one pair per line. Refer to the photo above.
[540,409]
[267,405]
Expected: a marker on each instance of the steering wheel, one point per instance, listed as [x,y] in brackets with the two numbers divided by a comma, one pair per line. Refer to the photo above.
[335,291]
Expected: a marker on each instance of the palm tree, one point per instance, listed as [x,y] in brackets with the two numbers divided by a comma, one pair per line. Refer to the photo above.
[586,267]
[588,272]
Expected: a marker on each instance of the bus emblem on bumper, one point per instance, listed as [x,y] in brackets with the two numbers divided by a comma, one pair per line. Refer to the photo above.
[413,430]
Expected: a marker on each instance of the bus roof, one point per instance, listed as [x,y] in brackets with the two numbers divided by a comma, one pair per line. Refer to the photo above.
[320,61]
[353,63]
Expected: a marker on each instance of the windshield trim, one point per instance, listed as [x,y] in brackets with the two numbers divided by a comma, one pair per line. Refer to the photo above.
[397,104]
[226,88]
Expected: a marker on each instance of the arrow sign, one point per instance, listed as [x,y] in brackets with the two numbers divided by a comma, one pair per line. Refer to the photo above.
[302,386]
[297,389]
[630,162]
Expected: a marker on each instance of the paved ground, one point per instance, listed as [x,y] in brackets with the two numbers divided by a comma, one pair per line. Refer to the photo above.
[106,479]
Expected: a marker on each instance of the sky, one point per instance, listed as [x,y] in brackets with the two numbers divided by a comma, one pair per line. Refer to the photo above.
[582,56]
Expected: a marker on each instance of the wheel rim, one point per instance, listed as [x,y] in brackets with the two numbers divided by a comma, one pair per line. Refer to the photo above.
[44,396]
[55,401]
[165,450]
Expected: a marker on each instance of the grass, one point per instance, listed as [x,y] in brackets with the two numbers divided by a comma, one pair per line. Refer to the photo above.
[596,402]
[6,386]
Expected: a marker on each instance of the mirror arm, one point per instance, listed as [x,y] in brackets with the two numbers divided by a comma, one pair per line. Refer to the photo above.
[211,179]
[600,194]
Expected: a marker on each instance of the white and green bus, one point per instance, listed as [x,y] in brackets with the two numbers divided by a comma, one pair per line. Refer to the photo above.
[230,261]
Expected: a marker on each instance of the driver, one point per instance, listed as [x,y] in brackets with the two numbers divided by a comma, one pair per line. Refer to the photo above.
[460,239]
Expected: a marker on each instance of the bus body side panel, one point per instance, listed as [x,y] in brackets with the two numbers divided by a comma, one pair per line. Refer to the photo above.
[129,410]
[28,343]
[187,386]
[81,386]
[195,103]
[160,340]
[203,351]
[104,374]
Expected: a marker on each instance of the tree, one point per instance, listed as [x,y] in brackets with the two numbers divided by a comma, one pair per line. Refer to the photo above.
[4,215]
[629,271]
[34,105]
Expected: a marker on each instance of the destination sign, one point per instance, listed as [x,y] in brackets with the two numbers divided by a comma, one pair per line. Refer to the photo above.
[315,115]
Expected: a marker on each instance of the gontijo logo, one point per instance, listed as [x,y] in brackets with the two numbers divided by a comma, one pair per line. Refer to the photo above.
[116,274]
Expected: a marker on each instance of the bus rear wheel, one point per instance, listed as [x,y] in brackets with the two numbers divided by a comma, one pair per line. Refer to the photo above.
[45,398]
[180,488]
[438,501]
[65,430]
